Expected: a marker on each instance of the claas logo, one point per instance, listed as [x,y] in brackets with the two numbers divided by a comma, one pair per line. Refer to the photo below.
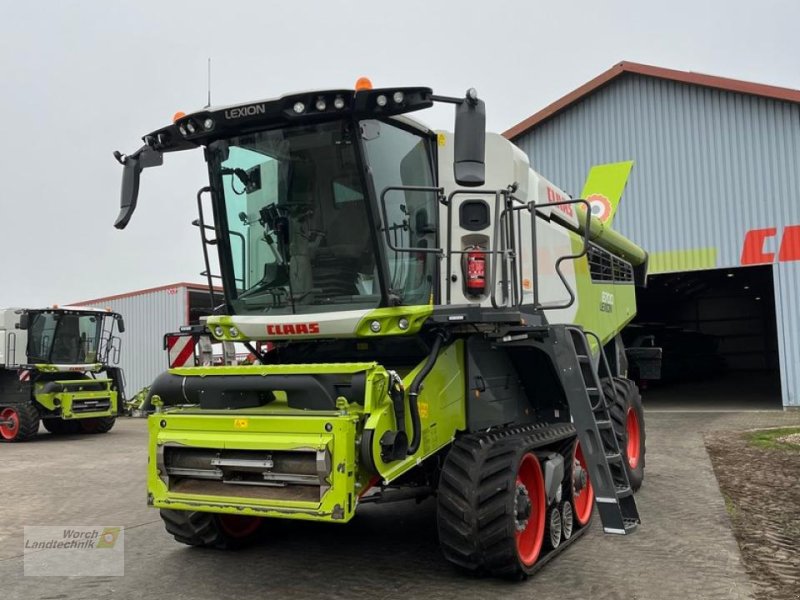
[293,329]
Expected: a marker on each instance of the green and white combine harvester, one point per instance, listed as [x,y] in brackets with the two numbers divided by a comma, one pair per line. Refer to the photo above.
[49,361]
[442,321]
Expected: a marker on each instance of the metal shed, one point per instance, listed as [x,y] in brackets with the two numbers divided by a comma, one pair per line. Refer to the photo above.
[149,314]
[713,190]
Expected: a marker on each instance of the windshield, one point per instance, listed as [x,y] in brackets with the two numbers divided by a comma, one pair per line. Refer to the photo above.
[295,224]
[398,157]
[59,338]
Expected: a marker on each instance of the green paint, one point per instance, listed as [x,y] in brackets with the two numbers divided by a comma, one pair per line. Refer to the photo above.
[279,427]
[608,181]
[332,434]
[693,259]
[89,368]
[591,295]
[65,400]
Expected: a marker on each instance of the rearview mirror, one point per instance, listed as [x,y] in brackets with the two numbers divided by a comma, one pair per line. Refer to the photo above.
[23,320]
[470,141]
[132,165]
[120,324]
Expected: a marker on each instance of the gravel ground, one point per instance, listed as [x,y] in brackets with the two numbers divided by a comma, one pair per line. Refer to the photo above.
[762,491]
[685,548]
[793,438]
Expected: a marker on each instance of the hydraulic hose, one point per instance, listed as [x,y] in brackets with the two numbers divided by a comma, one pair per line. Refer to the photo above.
[413,392]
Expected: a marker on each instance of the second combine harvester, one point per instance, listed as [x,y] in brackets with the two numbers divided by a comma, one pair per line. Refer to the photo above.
[443,321]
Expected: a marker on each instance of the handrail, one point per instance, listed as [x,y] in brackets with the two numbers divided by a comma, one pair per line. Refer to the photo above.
[506,236]
[407,188]
[532,207]
[244,253]
[11,349]
[604,362]
[205,241]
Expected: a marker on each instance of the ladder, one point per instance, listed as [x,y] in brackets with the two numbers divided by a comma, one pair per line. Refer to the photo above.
[613,493]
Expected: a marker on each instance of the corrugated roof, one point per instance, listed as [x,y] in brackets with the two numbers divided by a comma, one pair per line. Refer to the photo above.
[180,284]
[711,81]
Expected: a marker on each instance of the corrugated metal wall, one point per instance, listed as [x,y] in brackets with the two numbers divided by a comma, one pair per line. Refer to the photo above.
[710,165]
[787,298]
[148,316]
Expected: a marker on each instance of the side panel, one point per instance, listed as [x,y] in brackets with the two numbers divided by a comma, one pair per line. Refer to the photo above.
[13,347]
[603,307]
[12,390]
[495,395]
[441,410]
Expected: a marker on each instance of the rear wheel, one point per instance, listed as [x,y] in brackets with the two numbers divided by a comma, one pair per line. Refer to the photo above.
[97,424]
[59,426]
[225,532]
[627,415]
[582,490]
[18,423]
[491,507]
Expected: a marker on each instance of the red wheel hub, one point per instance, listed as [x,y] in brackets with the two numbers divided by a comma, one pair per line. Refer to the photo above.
[530,506]
[633,430]
[9,423]
[582,490]
[239,526]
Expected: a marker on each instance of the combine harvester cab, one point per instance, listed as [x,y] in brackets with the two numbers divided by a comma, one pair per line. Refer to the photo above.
[440,320]
[49,362]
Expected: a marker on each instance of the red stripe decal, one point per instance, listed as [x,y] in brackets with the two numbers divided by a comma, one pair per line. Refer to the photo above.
[184,355]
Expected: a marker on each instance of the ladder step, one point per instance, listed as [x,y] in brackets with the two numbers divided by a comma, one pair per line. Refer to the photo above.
[630,524]
[622,490]
[614,497]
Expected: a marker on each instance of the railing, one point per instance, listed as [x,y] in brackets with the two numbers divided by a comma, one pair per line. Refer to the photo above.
[506,238]
[200,223]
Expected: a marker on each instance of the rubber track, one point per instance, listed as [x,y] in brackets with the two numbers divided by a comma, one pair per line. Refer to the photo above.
[475,497]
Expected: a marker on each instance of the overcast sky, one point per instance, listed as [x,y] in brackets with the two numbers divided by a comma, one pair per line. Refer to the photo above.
[81,79]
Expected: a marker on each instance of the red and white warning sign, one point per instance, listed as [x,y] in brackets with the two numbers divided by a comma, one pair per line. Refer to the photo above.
[180,349]
[25,375]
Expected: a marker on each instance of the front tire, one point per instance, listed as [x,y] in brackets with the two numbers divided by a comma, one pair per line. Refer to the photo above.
[491,508]
[59,426]
[97,424]
[211,530]
[627,416]
[19,423]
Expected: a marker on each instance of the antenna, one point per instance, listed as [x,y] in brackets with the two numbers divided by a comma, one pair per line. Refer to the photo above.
[209,83]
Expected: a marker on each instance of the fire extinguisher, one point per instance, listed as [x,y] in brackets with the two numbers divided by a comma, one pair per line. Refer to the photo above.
[474,267]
